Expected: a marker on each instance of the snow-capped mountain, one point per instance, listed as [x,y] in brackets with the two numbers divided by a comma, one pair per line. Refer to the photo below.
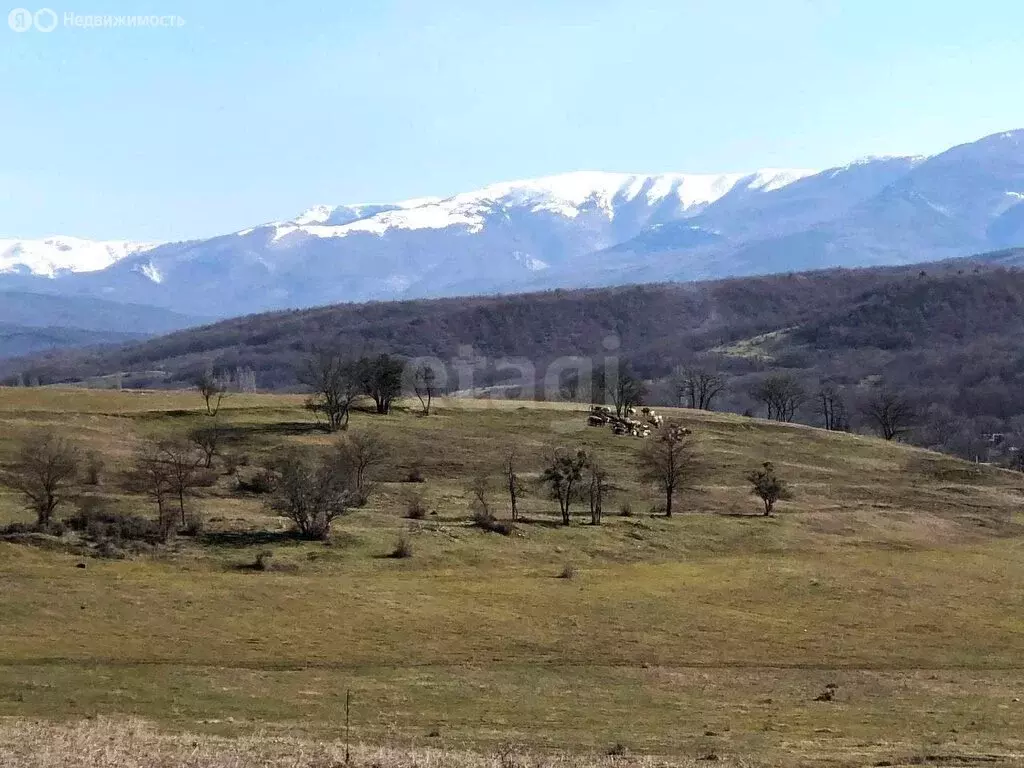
[52,256]
[580,229]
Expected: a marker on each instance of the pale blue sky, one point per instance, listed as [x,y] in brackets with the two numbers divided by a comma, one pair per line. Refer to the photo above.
[256,110]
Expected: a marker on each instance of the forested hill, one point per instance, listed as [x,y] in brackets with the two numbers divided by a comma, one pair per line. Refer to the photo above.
[946,336]
[658,325]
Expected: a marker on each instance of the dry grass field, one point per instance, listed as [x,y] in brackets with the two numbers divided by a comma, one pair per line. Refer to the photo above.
[893,578]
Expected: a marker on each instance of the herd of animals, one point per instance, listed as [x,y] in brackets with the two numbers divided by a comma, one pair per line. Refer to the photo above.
[627,424]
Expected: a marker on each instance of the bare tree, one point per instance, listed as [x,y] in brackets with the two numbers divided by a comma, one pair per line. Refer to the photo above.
[564,476]
[335,383]
[889,414]
[670,462]
[425,385]
[832,408]
[357,455]
[213,390]
[94,468]
[149,475]
[598,486]
[697,387]
[512,485]
[182,464]
[781,394]
[626,391]
[44,470]
[310,492]
[479,490]
[207,441]
[768,486]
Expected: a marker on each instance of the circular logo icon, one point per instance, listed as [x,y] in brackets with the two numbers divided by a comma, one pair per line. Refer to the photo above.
[20,20]
[46,20]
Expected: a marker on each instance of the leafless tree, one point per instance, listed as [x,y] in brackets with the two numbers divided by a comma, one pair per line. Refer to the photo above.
[832,408]
[480,489]
[697,387]
[626,391]
[182,464]
[149,475]
[598,486]
[890,414]
[335,383]
[781,394]
[425,385]
[213,390]
[357,455]
[207,441]
[44,470]
[513,485]
[564,476]
[310,492]
[94,468]
[670,462]
[768,487]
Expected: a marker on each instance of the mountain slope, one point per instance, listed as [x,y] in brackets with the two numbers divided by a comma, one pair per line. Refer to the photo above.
[575,230]
[21,340]
[57,255]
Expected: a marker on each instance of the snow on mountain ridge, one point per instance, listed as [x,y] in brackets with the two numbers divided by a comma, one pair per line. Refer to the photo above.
[567,195]
[50,256]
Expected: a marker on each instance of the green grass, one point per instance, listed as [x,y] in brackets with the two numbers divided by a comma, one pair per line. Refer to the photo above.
[894,573]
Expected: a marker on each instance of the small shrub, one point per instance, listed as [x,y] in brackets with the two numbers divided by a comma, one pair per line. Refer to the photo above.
[416,508]
[415,474]
[109,550]
[485,521]
[402,549]
[55,528]
[234,461]
[205,478]
[94,466]
[568,571]
[626,510]
[96,522]
[263,560]
[16,529]
[263,482]
[617,750]
[193,525]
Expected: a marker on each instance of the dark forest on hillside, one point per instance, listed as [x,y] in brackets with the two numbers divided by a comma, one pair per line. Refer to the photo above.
[942,338]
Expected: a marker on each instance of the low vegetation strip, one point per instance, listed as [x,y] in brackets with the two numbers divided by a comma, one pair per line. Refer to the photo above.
[133,743]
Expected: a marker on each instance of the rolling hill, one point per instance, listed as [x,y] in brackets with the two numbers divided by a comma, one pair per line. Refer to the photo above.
[945,336]
[888,580]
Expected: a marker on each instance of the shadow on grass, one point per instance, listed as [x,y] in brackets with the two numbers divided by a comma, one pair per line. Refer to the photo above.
[243,539]
[236,434]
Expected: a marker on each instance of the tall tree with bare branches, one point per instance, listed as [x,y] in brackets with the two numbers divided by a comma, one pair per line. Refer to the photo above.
[335,385]
[697,387]
[44,470]
[670,462]
[889,414]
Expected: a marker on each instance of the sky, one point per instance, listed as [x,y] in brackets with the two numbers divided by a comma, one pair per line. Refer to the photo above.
[254,111]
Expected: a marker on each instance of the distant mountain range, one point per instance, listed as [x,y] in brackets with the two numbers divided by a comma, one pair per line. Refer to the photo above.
[35,322]
[572,230]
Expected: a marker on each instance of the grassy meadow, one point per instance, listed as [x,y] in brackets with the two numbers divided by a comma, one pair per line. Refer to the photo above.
[893,579]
